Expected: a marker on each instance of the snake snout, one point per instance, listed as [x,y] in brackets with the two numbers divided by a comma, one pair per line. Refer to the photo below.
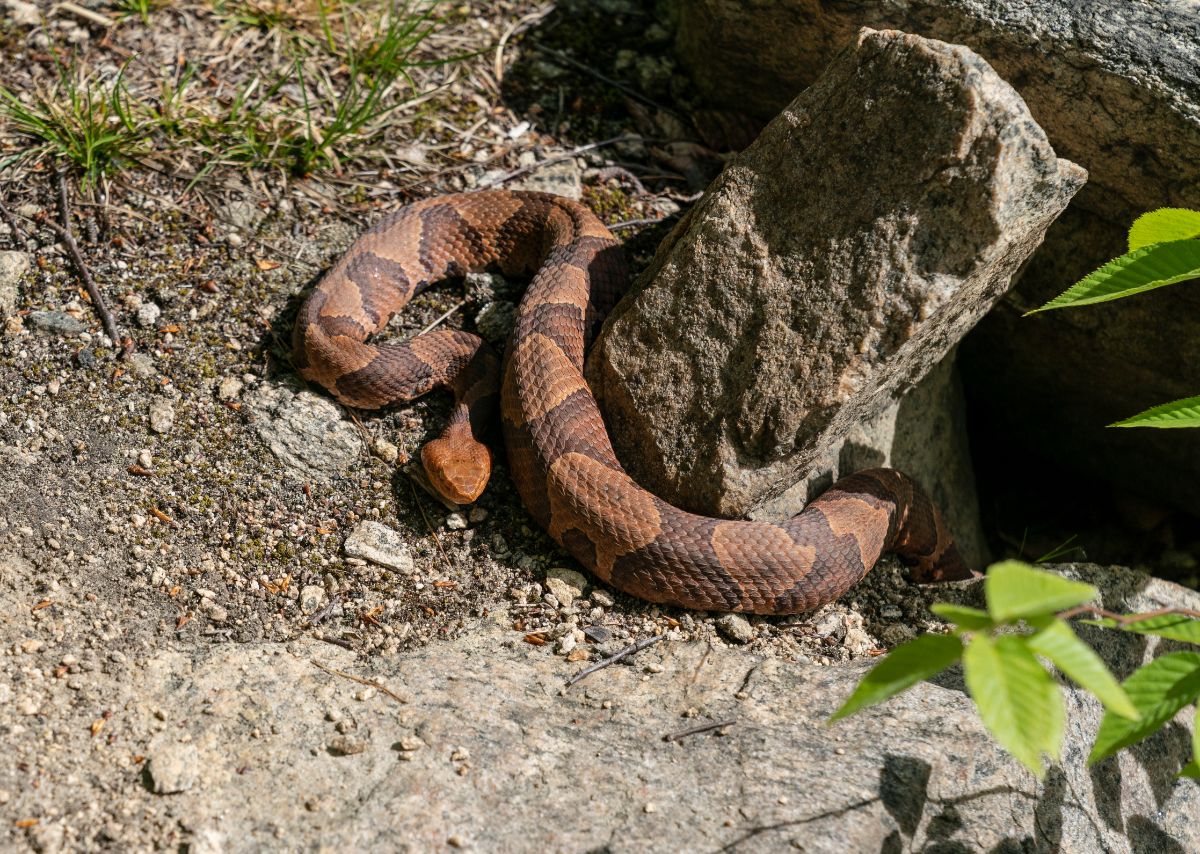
[458,467]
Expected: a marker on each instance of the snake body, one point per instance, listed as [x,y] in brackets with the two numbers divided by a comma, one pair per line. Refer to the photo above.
[559,453]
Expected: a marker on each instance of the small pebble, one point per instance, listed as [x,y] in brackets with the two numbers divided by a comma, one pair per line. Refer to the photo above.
[736,628]
[174,767]
[148,314]
[229,388]
[566,585]
[385,450]
[162,416]
[456,521]
[345,745]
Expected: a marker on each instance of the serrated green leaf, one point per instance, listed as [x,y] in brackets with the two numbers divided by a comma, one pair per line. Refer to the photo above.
[903,667]
[1018,701]
[1178,413]
[1079,661]
[1163,225]
[1174,626]
[1017,591]
[971,619]
[1143,269]
[1158,690]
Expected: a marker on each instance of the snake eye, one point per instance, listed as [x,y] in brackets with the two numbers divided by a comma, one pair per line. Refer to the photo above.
[458,467]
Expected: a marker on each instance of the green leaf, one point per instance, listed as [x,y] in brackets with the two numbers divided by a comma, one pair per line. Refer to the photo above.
[971,619]
[1192,769]
[904,666]
[1017,591]
[1163,225]
[1141,270]
[1019,702]
[1174,626]
[1079,661]
[1179,413]
[1158,690]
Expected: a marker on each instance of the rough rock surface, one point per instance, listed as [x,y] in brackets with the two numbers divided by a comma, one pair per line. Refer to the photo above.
[829,268]
[1116,85]
[262,748]
[307,432]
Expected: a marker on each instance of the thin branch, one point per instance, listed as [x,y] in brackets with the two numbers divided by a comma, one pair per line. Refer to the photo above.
[696,730]
[98,300]
[519,27]
[1128,619]
[444,315]
[613,659]
[19,235]
[325,612]
[638,223]
[361,681]
[436,539]
[566,155]
[559,56]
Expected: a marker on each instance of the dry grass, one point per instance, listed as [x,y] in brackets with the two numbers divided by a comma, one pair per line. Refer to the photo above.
[199,91]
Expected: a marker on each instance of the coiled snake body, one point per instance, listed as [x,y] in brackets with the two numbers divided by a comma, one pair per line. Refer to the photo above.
[559,453]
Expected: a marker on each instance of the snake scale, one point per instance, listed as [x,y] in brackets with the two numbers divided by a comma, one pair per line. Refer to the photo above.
[559,453]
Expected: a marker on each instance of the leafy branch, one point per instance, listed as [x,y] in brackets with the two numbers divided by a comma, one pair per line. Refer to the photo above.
[1163,249]
[1004,652]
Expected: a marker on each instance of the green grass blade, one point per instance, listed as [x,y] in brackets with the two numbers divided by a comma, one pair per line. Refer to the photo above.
[1143,269]
[1079,662]
[1158,690]
[1017,591]
[1019,702]
[1179,413]
[903,667]
[1162,226]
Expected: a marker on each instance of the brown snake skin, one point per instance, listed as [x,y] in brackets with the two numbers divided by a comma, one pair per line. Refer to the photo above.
[558,450]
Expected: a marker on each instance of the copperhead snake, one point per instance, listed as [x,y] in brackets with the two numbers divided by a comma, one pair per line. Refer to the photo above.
[559,453]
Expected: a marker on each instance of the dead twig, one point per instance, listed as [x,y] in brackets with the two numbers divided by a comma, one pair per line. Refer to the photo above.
[436,539]
[361,681]
[87,14]
[613,659]
[97,296]
[19,235]
[559,56]
[443,316]
[696,730]
[566,155]
[325,612]
[637,223]
[519,27]
[620,173]
[344,644]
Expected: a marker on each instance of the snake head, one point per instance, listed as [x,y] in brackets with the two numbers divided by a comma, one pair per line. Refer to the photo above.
[458,466]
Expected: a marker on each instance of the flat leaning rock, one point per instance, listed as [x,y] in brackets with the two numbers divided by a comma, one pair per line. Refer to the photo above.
[831,265]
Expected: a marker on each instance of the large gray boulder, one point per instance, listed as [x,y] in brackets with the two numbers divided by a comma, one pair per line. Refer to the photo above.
[827,270]
[479,746]
[1116,85]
